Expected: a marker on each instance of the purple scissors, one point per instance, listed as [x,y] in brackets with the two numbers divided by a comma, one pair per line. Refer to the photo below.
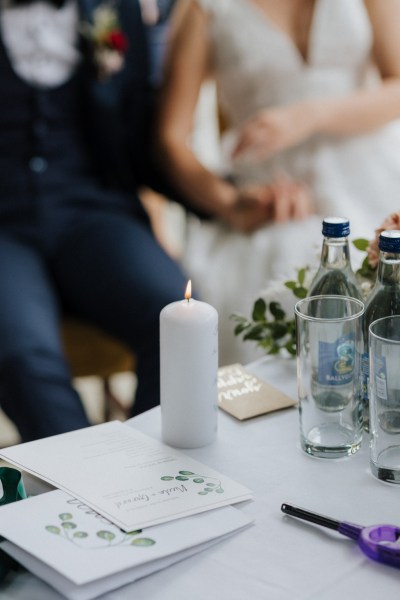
[379,542]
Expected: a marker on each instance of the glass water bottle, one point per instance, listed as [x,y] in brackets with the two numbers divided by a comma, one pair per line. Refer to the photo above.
[383,301]
[335,275]
[333,390]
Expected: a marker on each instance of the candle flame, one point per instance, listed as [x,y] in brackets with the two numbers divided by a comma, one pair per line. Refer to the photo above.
[188,293]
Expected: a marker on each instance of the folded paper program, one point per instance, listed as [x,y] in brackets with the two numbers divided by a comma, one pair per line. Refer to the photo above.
[83,555]
[147,482]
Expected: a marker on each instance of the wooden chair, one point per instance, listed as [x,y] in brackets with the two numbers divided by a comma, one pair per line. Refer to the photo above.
[90,352]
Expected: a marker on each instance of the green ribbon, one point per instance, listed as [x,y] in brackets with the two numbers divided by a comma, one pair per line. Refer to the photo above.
[13,490]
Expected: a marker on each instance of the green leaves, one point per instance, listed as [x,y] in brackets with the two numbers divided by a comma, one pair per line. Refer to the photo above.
[209,486]
[297,287]
[80,534]
[65,516]
[112,539]
[259,309]
[53,529]
[361,244]
[143,542]
[365,272]
[271,328]
[269,325]
[106,535]
[276,311]
[68,525]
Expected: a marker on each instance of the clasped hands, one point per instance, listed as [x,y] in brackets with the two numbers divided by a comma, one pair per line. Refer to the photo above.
[258,205]
[268,132]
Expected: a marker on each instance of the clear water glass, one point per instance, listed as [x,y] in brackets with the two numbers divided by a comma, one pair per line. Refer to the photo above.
[329,345]
[384,390]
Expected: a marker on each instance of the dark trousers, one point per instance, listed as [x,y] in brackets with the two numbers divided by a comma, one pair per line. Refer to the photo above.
[103,266]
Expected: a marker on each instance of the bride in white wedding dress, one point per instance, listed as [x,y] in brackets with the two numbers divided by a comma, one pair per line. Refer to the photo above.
[310,90]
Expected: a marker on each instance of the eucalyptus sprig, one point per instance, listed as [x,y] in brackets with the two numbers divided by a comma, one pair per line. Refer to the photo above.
[297,286]
[269,325]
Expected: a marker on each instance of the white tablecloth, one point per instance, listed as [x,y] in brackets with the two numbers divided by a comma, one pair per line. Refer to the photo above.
[277,558]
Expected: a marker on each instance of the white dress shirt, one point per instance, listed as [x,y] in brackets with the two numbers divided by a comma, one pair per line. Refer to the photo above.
[41,41]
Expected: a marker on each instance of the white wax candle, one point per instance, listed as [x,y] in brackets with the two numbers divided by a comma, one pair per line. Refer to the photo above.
[189,366]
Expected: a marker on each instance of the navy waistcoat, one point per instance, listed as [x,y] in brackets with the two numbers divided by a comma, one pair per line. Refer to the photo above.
[81,132]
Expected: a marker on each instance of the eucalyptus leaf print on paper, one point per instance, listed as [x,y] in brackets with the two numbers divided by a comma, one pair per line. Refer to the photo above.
[211,484]
[103,538]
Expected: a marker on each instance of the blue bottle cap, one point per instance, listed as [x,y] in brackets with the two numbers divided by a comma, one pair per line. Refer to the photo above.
[335,227]
[389,241]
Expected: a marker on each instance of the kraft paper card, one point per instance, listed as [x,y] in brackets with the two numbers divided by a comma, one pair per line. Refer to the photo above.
[244,395]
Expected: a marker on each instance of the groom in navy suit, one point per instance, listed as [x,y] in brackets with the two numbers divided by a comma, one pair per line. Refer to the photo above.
[73,235]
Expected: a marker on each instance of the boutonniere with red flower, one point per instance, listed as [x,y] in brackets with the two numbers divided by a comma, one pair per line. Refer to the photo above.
[108,41]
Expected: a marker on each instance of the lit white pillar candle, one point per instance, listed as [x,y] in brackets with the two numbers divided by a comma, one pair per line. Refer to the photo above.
[189,366]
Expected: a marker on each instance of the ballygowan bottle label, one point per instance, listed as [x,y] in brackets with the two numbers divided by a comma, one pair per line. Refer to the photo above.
[336,361]
[380,377]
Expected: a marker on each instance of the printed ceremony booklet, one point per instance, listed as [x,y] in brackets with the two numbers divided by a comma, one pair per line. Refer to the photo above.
[83,555]
[131,479]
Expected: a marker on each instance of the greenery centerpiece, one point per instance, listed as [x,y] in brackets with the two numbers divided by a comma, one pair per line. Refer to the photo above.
[272,327]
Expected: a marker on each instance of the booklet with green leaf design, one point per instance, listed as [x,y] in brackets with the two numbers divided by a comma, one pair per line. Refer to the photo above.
[131,479]
[83,555]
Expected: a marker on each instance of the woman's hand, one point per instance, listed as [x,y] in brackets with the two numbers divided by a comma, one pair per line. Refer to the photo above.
[275,129]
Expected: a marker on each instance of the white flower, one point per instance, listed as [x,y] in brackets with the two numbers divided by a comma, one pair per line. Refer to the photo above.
[108,61]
